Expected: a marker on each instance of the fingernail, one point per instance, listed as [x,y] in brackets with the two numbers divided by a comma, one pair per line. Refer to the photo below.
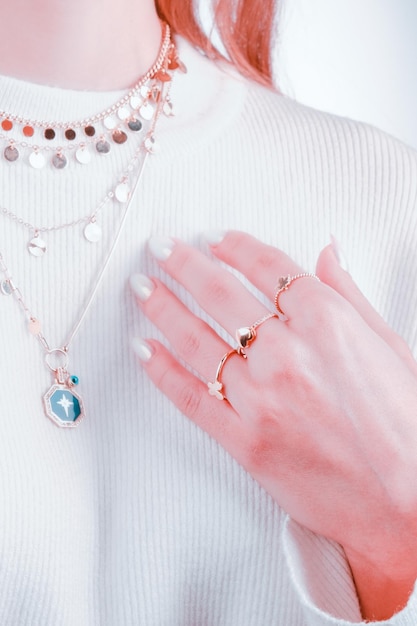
[214,237]
[339,254]
[142,349]
[142,286]
[161,247]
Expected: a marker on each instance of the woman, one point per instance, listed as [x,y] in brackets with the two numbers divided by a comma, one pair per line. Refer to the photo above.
[293,500]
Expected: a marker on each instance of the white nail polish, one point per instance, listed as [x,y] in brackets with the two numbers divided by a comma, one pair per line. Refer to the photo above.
[142,349]
[161,247]
[214,237]
[339,254]
[142,286]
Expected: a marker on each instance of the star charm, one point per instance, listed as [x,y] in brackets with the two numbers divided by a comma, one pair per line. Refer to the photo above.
[215,388]
[65,403]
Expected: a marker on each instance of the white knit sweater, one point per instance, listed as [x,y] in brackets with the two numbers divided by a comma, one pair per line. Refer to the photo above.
[137,517]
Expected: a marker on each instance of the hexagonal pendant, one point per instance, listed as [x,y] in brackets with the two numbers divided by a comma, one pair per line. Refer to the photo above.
[63,406]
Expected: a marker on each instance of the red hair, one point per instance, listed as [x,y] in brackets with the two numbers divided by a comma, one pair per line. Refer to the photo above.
[244,26]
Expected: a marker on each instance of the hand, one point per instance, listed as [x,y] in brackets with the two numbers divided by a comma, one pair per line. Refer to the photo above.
[322,412]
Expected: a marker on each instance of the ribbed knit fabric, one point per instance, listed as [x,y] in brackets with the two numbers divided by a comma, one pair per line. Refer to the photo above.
[137,517]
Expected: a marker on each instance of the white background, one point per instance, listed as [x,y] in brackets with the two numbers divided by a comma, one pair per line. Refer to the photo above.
[356,58]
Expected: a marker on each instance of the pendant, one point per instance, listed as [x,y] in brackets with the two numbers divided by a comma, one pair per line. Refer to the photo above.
[61,403]
[37,246]
[6,288]
[122,192]
[11,153]
[92,232]
[82,155]
[59,161]
[37,160]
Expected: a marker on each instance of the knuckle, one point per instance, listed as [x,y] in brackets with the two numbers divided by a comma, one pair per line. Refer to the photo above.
[267,258]
[191,342]
[218,289]
[185,392]
[188,399]
[262,449]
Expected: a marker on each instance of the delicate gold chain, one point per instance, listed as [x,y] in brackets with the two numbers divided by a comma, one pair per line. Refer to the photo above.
[8,287]
[156,67]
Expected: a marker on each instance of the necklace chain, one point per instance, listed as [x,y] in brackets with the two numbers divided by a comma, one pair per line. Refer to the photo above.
[123,177]
[156,67]
[84,137]
[9,286]
[166,49]
[61,403]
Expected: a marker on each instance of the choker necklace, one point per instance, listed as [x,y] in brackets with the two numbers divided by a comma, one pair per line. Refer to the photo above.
[62,404]
[97,133]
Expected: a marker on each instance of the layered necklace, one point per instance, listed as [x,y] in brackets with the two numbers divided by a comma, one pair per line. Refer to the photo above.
[38,142]
[138,112]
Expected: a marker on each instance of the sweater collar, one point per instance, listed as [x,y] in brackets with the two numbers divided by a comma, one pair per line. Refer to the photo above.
[204,99]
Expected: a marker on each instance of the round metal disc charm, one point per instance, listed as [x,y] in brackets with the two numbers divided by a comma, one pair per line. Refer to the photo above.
[5,288]
[144,91]
[135,102]
[110,123]
[37,246]
[37,160]
[123,113]
[83,155]
[59,161]
[103,147]
[146,111]
[92,232]
[11,154]
[122,192]
[119,136]
[134,124]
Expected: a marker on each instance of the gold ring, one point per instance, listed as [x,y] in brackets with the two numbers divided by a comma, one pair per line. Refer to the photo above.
[284,283]
[247,334]
[216,388]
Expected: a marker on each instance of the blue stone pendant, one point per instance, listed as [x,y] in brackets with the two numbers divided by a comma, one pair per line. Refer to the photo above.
[63,406]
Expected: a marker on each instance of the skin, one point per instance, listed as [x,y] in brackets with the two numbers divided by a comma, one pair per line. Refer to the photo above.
[327,427]
[93,45]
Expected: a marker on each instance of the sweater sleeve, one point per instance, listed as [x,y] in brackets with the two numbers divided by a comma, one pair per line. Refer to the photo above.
[323,583]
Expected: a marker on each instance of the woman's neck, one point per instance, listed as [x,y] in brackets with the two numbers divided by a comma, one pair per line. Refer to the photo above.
[81,44]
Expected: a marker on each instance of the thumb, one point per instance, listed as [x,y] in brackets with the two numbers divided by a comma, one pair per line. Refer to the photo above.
[331,273]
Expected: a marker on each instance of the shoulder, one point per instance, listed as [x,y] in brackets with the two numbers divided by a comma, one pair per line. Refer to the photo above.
[309,130]
[321,146]
[216,105]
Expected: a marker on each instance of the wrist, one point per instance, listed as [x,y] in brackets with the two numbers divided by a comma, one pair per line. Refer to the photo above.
[385,581]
